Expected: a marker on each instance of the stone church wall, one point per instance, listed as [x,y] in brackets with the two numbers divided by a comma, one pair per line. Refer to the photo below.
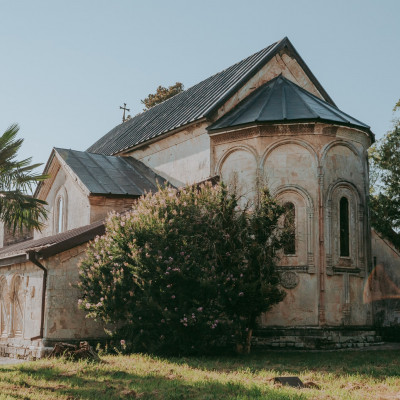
[21,306]
[64,321]
[182,158]
[312,167]
[21,303]
[384,283]
[76,206]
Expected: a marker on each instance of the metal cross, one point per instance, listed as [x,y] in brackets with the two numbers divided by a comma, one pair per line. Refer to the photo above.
[125,109]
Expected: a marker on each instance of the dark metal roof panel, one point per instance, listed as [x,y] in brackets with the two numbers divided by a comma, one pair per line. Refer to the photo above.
[54,244]
[185,107]
[282,100]
[113,175]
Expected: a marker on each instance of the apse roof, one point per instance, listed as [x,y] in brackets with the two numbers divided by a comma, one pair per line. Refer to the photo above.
[111,175]
[281,100]
[195,103]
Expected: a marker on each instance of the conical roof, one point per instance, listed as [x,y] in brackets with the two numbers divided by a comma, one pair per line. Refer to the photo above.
[281,100]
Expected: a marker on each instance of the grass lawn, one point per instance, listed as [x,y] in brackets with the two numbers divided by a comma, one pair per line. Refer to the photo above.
[340,375]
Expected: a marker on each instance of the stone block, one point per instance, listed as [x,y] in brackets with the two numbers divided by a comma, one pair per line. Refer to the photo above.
[299,344]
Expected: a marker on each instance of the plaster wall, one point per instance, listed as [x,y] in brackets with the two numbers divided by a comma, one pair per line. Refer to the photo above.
[181,158]
[101,206]
[383,290]
[64,321]
[28,305]
[76,207]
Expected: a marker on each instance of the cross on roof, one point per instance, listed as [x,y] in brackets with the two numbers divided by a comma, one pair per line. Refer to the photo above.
[125,109]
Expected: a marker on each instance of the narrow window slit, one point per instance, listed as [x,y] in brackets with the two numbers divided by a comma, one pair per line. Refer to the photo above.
[344,228]
[289,247]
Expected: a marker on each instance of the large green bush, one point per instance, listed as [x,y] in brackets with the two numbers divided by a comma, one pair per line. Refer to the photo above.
[185,271]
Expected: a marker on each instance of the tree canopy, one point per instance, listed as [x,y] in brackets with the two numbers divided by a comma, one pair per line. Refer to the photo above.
[162,94]
[18,209]
[385,184]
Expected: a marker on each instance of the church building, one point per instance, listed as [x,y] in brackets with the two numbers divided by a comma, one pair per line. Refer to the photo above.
[264,120]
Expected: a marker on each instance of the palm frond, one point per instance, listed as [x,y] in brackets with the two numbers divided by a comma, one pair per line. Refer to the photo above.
[18,209]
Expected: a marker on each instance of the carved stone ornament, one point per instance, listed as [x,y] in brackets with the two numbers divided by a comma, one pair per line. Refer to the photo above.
[289,279]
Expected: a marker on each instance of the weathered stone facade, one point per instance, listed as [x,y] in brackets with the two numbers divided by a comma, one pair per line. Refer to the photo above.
[21,306]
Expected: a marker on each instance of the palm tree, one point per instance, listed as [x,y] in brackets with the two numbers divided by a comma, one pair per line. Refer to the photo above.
[18,208]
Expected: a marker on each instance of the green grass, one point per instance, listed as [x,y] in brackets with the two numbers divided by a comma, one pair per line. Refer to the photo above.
[340,375]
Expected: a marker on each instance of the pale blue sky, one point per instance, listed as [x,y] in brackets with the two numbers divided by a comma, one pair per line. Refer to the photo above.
[67,66]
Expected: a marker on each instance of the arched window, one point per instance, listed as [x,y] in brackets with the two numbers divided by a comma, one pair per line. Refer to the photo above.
[344,228]
[289,225]
[17,307]
[60,215]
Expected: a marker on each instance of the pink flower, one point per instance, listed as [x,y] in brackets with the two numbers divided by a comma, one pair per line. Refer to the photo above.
[241,294]
[173,296]
[87,305]
[122,342]
[200,309]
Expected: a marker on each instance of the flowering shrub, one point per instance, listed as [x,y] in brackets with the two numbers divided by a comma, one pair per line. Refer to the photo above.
[184,271]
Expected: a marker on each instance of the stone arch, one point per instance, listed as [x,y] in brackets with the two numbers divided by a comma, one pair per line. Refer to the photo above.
[304,225]
[17,306]
[335,262]
[4,307]
[240,147]
[60,209]
[282,142]
[281,161]
[238,169]
[335,143]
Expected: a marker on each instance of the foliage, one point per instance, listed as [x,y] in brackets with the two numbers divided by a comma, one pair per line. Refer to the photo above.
[162,94]
[185,271]
[385,184]
[18,209]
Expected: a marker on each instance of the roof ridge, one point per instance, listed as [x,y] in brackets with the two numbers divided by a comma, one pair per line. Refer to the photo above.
[273,82]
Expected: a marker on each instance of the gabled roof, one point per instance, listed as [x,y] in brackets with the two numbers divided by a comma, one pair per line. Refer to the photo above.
[50,245]
[111,175]
[193,104]
[281,100]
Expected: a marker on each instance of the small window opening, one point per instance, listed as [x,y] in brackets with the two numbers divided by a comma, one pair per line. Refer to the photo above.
[289,225]
[60,209]
[344,228]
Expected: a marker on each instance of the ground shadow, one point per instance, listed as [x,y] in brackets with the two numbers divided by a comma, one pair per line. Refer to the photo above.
[97,384]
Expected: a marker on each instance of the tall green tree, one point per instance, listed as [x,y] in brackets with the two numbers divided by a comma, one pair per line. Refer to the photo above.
[162,93]
[18,208]
[385,184]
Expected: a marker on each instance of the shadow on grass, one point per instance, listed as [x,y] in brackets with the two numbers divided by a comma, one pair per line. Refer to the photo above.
[369,364]
[98,384]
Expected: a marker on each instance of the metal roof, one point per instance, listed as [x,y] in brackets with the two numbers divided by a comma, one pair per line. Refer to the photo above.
[193,104]
[54,244]
[111,175]
[281,100]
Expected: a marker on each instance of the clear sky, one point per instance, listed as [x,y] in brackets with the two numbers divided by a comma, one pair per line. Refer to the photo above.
[67,66]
